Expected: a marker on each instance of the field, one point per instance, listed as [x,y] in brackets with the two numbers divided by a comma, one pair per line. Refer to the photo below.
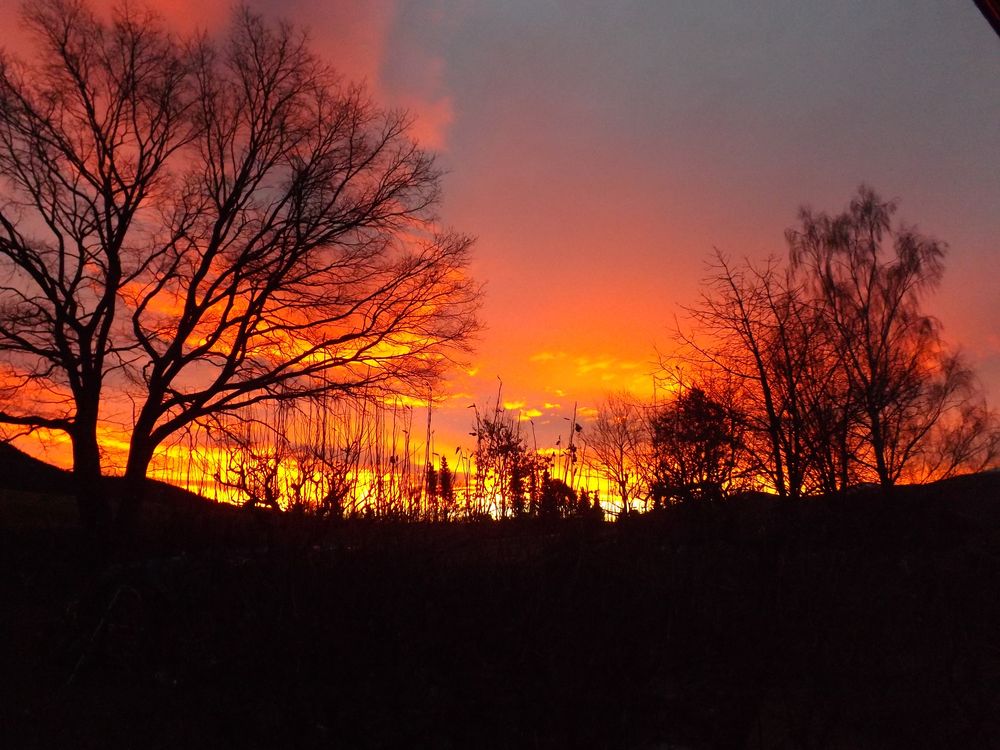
[859,622]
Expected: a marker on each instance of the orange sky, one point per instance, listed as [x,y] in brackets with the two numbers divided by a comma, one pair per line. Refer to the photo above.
[600,151]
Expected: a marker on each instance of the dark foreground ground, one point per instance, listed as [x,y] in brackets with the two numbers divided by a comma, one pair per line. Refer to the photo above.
[859,623]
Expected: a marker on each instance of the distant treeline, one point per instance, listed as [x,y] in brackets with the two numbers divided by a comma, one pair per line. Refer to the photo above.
[809,377]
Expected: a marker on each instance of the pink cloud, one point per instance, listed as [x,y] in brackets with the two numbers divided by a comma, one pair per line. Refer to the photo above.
[350,36]
[431,119]
[362,41]
[372,43]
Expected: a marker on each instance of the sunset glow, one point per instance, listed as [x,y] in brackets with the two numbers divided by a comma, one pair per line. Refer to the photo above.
[600,155]
[499,373]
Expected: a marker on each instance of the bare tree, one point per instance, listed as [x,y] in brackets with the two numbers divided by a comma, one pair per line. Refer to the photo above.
[829,409]
[753,332]
[446,490]
[503,460]
[868,280]
[300,256]
[221,224]
[256,453]
[697,447]
[85,138]
[841,376]
[619,447]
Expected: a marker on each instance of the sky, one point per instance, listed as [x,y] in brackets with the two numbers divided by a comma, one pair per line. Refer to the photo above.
[600,152]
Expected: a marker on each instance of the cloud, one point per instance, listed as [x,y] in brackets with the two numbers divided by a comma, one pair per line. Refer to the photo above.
[413,74]
[383,43]
[585,365]
[545,356]
[352,37]
[413,78]
[431,120]
[189,16]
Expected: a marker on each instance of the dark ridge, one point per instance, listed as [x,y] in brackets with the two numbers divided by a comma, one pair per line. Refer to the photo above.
[19,471]
[24,473]
[865,621]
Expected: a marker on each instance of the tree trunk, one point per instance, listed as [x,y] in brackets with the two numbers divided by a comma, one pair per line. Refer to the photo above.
[139,455]
[92,502]
[95,511]
[879,448]
[623,486]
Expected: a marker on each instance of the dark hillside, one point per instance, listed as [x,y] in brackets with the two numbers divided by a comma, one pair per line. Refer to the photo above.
[32,490]
[859,622]
[19,471]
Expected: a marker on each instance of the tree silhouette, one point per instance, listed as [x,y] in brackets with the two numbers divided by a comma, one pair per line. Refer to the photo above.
[868,280]
[504,464]
[618,443]
[839,374]
[754,332]
[256,454]
[697,444]
[86,136]
[211,226]
[556,499]
[432,488]
[446,482]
